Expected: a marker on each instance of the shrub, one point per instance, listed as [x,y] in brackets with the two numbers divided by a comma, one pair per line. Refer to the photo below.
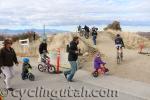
[29,34]
[114,26]
[2,37]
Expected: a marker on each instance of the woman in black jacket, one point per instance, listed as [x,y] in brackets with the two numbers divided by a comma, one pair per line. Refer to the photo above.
[8,58]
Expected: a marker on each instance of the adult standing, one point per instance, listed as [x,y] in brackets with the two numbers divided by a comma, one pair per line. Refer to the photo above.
[79,28]
[72,58]
[8,58]
[94,34]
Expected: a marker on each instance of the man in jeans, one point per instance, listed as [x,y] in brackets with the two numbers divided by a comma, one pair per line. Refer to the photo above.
[72,58]
[94,34]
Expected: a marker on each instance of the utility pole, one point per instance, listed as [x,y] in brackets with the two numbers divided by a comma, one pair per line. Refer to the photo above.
[44,29]
[44,33]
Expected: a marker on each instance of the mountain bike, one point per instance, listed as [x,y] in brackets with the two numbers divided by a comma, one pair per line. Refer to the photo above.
[119,55]
[86,34]
[81,32]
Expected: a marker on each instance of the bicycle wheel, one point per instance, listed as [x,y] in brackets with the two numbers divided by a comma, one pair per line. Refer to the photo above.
[81,33]
[86,36]
[41,68]
[118,60]
[51,69]
[95,74]
[31,77]
[118,57]
[121,56]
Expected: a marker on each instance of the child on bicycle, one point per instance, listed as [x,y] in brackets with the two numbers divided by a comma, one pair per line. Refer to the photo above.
[99,64]
[25,68]
[44,57]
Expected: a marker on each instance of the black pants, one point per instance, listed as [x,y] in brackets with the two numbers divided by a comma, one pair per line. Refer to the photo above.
[24,75]
[0,70]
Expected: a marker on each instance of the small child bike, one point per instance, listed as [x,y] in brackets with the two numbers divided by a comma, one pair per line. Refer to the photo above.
[27,70]
[99,66]
[102,70]
[45,65]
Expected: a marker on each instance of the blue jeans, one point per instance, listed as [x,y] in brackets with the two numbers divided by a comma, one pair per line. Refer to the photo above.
[70,73]
[94,39]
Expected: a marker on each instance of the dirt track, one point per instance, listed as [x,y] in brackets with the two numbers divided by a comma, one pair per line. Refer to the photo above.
[134,65]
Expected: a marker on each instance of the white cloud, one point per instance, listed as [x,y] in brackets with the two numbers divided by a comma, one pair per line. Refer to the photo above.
[70,12]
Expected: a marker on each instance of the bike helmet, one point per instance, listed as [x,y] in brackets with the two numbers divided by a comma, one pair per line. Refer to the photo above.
[44,40]
[118,35]
[26,60]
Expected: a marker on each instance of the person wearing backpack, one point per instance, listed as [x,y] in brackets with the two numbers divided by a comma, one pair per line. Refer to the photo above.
[72,58]
[8,58]
[119,43]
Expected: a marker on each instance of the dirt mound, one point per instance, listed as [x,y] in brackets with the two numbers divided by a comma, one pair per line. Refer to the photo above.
[54,42]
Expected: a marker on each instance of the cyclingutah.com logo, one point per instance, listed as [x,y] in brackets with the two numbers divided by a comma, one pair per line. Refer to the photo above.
[3,93]
[1,98]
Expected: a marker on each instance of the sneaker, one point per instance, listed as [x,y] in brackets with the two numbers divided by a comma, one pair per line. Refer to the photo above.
[65,75]
[10,89]
[94,46]
[70,80]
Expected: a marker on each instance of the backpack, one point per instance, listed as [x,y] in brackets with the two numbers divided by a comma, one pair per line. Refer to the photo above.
[118,40]
[67,47]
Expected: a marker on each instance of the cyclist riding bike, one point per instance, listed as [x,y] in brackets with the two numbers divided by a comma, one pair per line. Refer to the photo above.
[86,28]
[87,31]
[119,43]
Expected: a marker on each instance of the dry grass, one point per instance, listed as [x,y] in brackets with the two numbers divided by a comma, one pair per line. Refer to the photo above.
[54,42]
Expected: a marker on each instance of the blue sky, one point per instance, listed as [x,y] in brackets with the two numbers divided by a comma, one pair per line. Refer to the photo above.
[65,14]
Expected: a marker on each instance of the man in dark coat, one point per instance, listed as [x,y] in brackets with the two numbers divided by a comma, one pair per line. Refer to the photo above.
[72,58]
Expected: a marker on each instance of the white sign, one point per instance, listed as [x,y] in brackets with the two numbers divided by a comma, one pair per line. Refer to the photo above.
[1,43]
[24,42]
[25,45]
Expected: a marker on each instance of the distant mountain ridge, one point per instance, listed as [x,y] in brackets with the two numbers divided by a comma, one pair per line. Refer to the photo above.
[145,34]
[40,31]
